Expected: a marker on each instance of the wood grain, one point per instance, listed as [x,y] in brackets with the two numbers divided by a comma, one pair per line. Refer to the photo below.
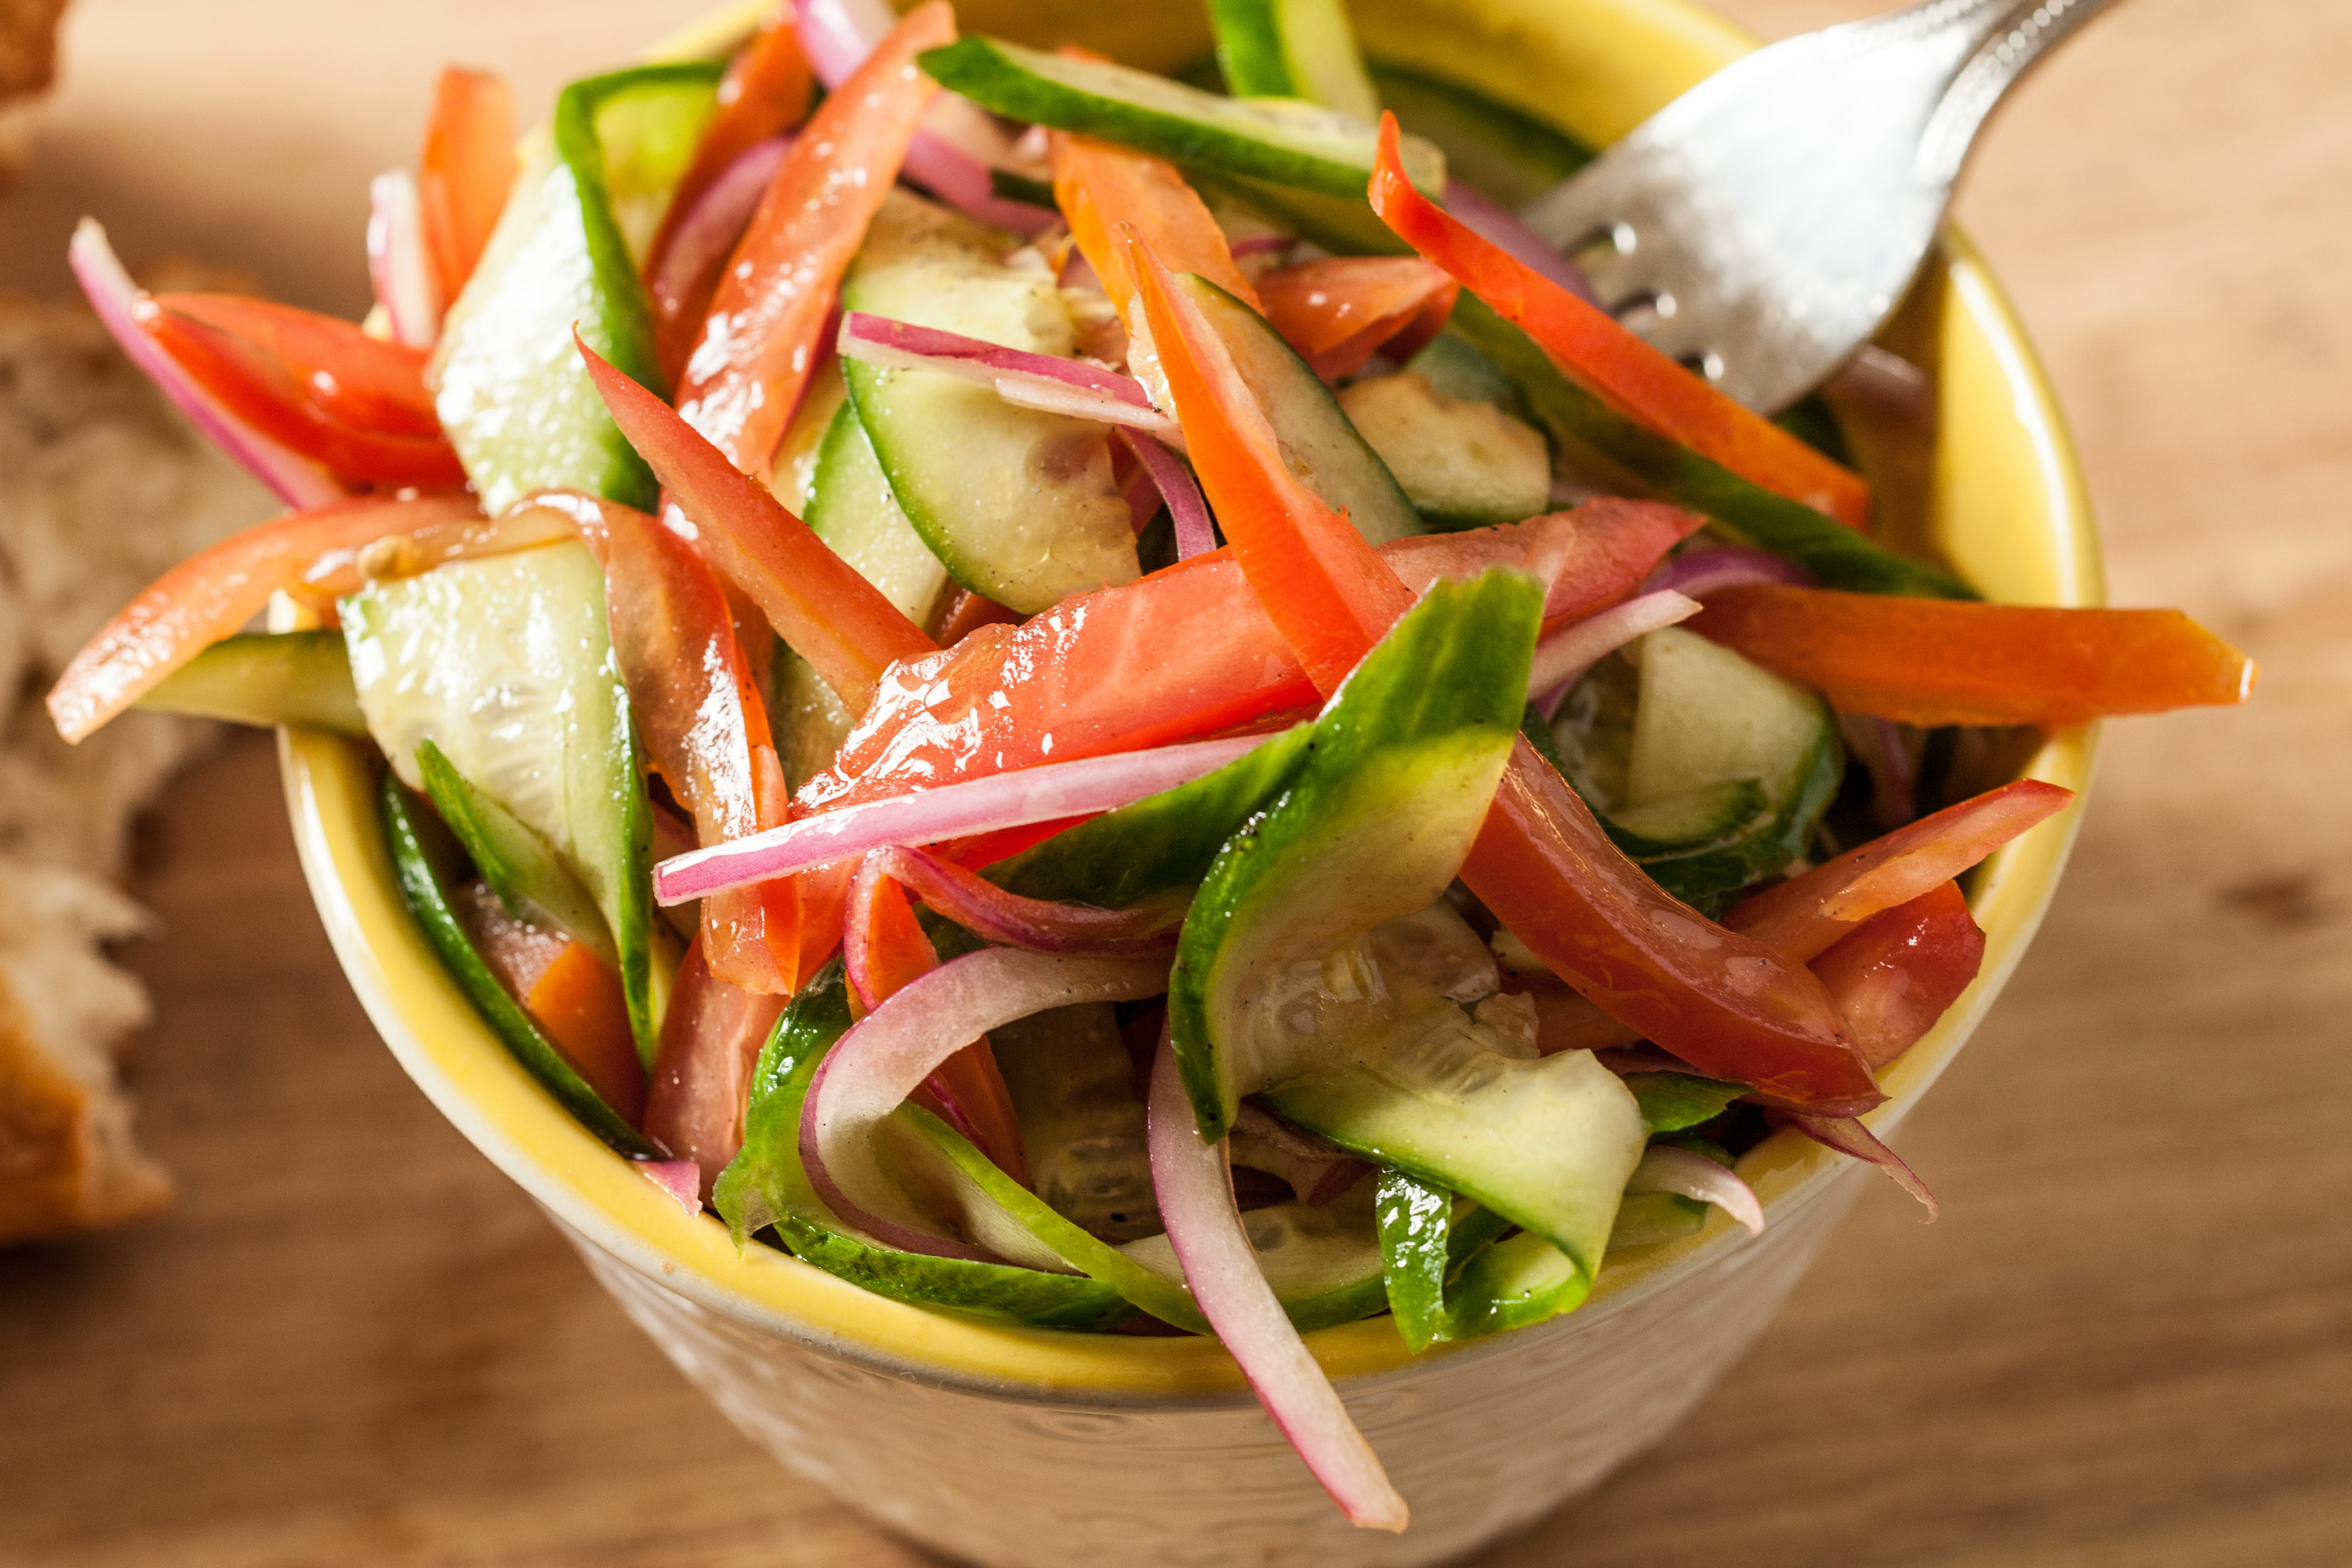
[2129,1340]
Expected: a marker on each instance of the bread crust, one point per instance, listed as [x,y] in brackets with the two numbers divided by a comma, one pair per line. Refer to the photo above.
[66,1161]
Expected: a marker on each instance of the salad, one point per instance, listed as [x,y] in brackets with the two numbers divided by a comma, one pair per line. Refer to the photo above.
[1102,701]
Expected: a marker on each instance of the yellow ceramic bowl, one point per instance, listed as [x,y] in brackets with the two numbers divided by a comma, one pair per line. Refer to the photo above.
[1003,1445]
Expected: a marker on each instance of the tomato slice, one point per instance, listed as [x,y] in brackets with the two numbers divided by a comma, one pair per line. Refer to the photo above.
[579,1005]
[1341,310]
[366,382]
[465,172]
[760,342]
[1938,661]
[1899,970]
[1103,189]
[711,1041]
[1587,345]
[699,713]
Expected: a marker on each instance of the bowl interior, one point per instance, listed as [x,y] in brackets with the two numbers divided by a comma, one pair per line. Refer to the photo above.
[2002,496]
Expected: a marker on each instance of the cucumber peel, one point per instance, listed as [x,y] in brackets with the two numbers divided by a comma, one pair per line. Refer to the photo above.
[1323,1263]
[423,862]
[1428,1244]
[1505,154]
[520,866]
[1293,48]
[266,678]
[1670,1101]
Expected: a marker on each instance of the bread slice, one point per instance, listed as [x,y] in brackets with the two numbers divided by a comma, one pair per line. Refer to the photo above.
[28,63]
[102,487]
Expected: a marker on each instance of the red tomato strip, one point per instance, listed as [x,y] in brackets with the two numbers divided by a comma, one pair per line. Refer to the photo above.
[761,339]
[710,1040]
[883,949]
[1898,971]
[1589,345]
[1102,189]
[766,90]
[1803,916]
[578,1005]
[465,171]
[1341,310]
[1729,1006]
[214,592]
[1941,661]
[309,407]
[816,601]
[699,714]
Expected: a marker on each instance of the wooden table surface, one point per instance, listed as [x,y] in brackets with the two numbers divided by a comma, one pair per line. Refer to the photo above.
[2129,1340]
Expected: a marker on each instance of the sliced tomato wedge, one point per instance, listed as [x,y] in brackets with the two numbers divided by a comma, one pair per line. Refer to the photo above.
[466,172]
[817,603]
[1729,1006]
[699,713]
[214,592]
[1341,310]
[310,404]
[883,949]
[760,342]
[1941,661]
[1613,363]
[1899,970]
[711,1041]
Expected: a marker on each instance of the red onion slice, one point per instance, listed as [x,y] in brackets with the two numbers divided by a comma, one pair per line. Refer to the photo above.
[1013,799]
[1173,478]
[1498,225]
[295,480]
[706,236]
[1694,1175]
[980,906]
[1569,652]
[406,285]
[1699,573]
[882,1061]
[1848,1136]
[681,1179]
[1193,1182]
[1049,382]
[837,35]
[1261,244]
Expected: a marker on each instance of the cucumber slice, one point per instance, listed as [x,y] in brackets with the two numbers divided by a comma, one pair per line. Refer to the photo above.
[1670,1101]
[1456,370]
[1281,142]
[1344,225]
[519,866]
[1320,444]
[425,862]
[1646,1219]
[853,508]
[258,678]
[1324,1264]
[765,1185]
[1017,503]
[1494,149]
[1371,828]
[1073,1087]
[1461,463]
[1709,770]
[1426,1235]
[510,390]
[1640,460]
[1294,49]
[504,664]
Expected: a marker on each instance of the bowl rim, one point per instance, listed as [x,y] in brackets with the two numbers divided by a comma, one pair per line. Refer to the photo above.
[2021,525]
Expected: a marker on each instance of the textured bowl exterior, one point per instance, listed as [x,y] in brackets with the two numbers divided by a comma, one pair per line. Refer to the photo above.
[1005,1446]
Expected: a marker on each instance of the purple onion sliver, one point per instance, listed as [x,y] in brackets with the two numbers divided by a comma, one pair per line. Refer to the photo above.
[1259,244]
[1563,657]
[1186,507]
[1694,1175]
[1498,225]
[1849,1136]
[681,1179]
[836,36]
[722,212]
[406,285]
[295,479]
[961,180]
[859,327]
[1698,573]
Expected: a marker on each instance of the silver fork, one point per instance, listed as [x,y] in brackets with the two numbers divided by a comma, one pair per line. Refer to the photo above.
[1761,226]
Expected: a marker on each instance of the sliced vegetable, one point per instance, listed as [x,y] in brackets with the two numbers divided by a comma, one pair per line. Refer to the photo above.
[1341,310]
[286,677]
[407,284]
[1670,1101]
[1699,573]
[467,169]
[711,1041]
[760,341]
[766,91]
[1589,346]
[1322,1263]
[682,276]
[1050,382]
[1505,154]
[559,263]
[1172,482]
[1282,141]
[1293,48]
[988,911]
[1018,504]
[577,1000]
[1899,971]
[1926,663]
[1848,1136]
[1462,464]
[505,665]
[425,862]
[208,596]
[1668,1170]
[1568,653]
[521,868]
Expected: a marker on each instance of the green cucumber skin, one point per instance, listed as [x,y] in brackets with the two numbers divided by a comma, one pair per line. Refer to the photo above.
[765,1186]
[1839,556]
[423,887]
[1672,1102]
[1211,133]
[1318,442]
[853,510]
[266,678]
[519,866]
[1439,697]
[557,261]
[1704,877]
[1250,55]
[1508,155]
[1415,1218]
[1737,806]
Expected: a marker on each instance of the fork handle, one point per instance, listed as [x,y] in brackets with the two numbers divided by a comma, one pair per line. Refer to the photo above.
[1998,42]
